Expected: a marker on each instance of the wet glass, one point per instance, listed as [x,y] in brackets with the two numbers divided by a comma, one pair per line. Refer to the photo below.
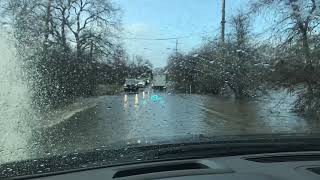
[204,68]
[130,81]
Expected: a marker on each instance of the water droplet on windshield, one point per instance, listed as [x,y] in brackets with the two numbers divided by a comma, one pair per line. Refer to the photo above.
[9,169]
[83,165]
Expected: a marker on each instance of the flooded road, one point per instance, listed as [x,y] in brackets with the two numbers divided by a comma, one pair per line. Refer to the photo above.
[151,116]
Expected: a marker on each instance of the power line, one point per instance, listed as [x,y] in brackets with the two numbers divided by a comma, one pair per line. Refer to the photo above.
[165,39]
[152,39]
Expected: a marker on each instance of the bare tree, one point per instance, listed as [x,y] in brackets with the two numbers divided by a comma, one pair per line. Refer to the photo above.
[240,72]
[297,19]
[60,17]
[298,22]
[240,24]
[61,42]
[88,14]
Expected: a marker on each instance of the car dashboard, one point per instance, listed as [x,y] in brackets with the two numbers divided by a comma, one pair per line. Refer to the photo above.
[274,166]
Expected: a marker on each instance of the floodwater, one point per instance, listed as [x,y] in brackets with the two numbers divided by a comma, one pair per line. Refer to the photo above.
[151,116]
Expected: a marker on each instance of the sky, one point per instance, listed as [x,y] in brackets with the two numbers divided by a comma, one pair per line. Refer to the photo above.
[188,20]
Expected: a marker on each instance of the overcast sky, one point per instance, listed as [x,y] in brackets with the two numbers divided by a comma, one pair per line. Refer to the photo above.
[190,19]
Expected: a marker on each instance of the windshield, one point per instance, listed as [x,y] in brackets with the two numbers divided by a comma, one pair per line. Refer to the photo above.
[196,70]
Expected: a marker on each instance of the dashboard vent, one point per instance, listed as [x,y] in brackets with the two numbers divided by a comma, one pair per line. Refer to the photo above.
[315,170]
[160,168]
[285,158]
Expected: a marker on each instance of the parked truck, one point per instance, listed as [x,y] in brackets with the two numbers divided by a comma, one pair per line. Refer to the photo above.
[159,82]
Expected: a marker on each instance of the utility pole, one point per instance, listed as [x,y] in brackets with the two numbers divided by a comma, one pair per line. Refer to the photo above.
[223,20]
[177,42]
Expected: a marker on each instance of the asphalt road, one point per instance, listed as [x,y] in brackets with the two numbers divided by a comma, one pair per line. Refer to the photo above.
[151,116]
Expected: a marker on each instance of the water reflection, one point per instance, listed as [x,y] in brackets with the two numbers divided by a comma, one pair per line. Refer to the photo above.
[136,101]
[232,116]
[125,101]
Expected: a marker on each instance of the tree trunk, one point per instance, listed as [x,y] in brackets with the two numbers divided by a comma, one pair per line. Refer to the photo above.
[306,48]
[47,25]
[63,34]
[78,46]
[77,36]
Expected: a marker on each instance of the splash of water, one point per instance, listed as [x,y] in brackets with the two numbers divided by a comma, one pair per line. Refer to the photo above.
[18,120]
[14,102]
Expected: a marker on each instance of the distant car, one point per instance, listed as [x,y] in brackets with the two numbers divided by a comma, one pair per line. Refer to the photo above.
[131,85]
[141,84]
